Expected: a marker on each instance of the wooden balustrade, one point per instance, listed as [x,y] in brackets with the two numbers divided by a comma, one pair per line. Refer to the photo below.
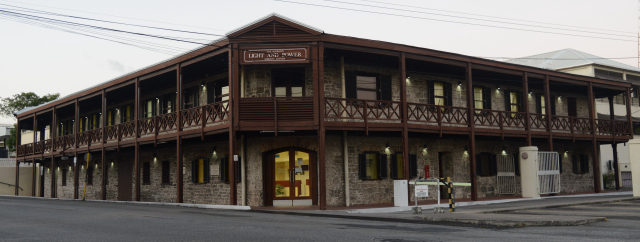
[538,121]
[343,108]
[435,114]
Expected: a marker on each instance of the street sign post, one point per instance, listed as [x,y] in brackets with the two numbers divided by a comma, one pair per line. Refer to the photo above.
[87,157]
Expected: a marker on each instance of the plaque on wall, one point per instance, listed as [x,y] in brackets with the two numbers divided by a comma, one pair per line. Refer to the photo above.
[275,55]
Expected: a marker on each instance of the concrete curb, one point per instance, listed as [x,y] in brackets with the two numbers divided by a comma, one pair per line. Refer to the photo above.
[556,205]
[188,205]
[517,223]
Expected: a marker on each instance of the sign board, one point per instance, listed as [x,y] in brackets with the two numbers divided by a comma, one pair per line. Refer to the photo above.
[235,157]
[422,190]
[276,55]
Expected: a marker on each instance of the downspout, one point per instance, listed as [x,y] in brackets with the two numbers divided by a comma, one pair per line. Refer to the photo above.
[242,86]
[345,151]
[243,173]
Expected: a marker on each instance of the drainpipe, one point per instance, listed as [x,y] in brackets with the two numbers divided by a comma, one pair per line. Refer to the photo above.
[242,85]
[242,170]
[345,157]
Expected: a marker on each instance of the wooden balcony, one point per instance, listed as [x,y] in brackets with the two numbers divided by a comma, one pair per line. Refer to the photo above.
[194,121]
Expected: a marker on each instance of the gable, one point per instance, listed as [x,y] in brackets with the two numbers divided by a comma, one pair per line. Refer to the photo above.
[274,26]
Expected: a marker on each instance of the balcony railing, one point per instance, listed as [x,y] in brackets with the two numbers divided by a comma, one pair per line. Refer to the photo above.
[437,115]
[366,110]
[211,114]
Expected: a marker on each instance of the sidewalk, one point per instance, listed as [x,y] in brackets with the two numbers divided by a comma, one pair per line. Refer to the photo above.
[481,213]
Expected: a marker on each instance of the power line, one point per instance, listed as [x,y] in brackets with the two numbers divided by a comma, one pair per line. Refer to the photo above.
[477,19]
[114,15]
[488,16]
[456,22]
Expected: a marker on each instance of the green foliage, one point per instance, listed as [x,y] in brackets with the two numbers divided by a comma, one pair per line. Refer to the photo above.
[609,180]
[279,190]
[10,105]
[10,143]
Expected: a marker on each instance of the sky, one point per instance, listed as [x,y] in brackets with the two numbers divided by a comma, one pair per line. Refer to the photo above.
[41,60]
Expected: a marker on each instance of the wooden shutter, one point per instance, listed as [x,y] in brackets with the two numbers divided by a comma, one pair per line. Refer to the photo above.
[194,171]
[552,105]
[571,106]
[166,172]
[507,101]
[382,166]
[394,166]
[432,92]
[385,87]
[351,84]
[448,93]
[520,98]
[574,163]
[560,163]
[362,166]
[486,98]
[207,170]
[494,164]
[516,164]
[211,92]
[478,165]
[539,104]
[146,173]
[223,169]
[238,169]
[413,165]
[584,165]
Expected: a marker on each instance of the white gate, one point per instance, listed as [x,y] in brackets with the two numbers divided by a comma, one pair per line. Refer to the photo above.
[548,172]
[626,179]
[506,175]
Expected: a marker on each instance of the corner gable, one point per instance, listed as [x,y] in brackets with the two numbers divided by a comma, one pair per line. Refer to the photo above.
[274,25]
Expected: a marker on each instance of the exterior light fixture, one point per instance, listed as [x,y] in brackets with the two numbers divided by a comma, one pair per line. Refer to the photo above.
[530,92]
[498,87]
[408,76]
[387,145]
[459,83]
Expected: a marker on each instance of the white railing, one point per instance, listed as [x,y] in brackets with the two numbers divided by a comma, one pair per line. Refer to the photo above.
[548,172]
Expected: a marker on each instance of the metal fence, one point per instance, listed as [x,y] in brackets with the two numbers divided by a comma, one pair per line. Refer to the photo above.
[548,172]
[626,179]
[506,181]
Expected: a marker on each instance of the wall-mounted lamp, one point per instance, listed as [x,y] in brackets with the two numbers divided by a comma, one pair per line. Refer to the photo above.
[498,87]
[504,150]
[408,76]
[459,83]
[202,84]
[424,147]
[530,92]
[386,145]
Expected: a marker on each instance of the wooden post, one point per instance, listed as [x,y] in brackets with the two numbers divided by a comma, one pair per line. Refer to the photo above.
[472,135]
[17,177]
[629,116]
[33,178]
[405,117]
[35,132]
[322,177]
[136,157]
[103,141]
[547,111]
[234,83]
[76,171]
[596,167]
[53,178]
[525,102]
[179,179]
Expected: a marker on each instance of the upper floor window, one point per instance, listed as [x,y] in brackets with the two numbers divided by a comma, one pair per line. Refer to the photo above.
[168,103]
[572,107]
[440,93]
[287,82]
[125,114]
[111,117]
[513,101]
[541,105]
[608,74]
[218,91]
[481,98]
[368,86]
[191,97]
[149,108]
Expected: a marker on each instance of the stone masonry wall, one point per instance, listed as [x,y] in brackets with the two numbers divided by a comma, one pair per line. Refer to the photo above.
[257,79]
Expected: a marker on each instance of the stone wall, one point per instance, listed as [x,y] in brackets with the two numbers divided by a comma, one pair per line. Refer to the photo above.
[257,79]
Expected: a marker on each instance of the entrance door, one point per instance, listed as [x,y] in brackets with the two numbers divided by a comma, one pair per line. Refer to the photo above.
[125,180]
[445,169]
[292,177]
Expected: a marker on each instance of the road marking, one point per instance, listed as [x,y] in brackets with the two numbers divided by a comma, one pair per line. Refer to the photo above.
[550,212]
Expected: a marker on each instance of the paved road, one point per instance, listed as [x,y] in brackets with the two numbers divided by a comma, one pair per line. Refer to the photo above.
[54,220]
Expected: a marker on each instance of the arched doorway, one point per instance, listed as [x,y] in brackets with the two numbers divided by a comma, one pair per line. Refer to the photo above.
[290,177]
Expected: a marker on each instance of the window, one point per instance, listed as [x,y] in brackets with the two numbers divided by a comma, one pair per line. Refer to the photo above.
[288,82]
[65,128]
[512,101]
[486,164]
[481,98]
[368,86]
[111,118]
[372,165]
[64,176]
[397,171]
[225,172]
[218,91]
[148,108]
[146,173]
[572,107]
[90,175]
[166,171]
[168,103]
[125,114]
[609,74]
[580,163]
[191,97]
[94,121]
[440,93]
[200,170]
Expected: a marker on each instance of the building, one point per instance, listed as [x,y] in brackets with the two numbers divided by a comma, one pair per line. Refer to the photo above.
[280,113]
[5,133]
[615,156]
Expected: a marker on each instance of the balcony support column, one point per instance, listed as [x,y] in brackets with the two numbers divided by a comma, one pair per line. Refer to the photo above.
[234,91]
[104,135]
[318,65]
[592,117]
[136,158]
[547,112]
[76,171]
[53,177]
[472,135]
[179,180]
[405,128]
[33,178]
[35,132]
[629,116]
[17,177]
[525,102]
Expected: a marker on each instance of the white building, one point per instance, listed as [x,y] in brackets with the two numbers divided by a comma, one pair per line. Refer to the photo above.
[581,63]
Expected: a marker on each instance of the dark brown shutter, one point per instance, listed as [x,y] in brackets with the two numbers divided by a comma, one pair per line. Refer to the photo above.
[585,164]
[432,93]
[382,166]
[351,84]
[413,165]
[539,104]
[574,163]
[211,92]
[516,164]
[494,164]
[448,92]
[194,171]
[207,170]
[362,166]
[385,87]
[560,162]
[394,166]
[520,98]
[238,169]
[166,172]
[478,165]
[507,101]
[146,173]
[552,105]
[223,169]
[486,97]
[572,108]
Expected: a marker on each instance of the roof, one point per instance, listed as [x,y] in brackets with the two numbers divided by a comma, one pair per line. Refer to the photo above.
[273,15]
[569,58]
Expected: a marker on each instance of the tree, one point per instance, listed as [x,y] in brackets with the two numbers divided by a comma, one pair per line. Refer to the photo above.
[10,105]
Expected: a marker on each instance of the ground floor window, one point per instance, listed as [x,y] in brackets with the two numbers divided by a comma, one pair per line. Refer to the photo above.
[372,165]
[486,164]
[166,166]
[200,170]
[397,168]
[580,164]
[225,172]
[146,173]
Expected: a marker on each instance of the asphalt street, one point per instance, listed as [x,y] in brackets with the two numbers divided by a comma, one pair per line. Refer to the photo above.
[27,219]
